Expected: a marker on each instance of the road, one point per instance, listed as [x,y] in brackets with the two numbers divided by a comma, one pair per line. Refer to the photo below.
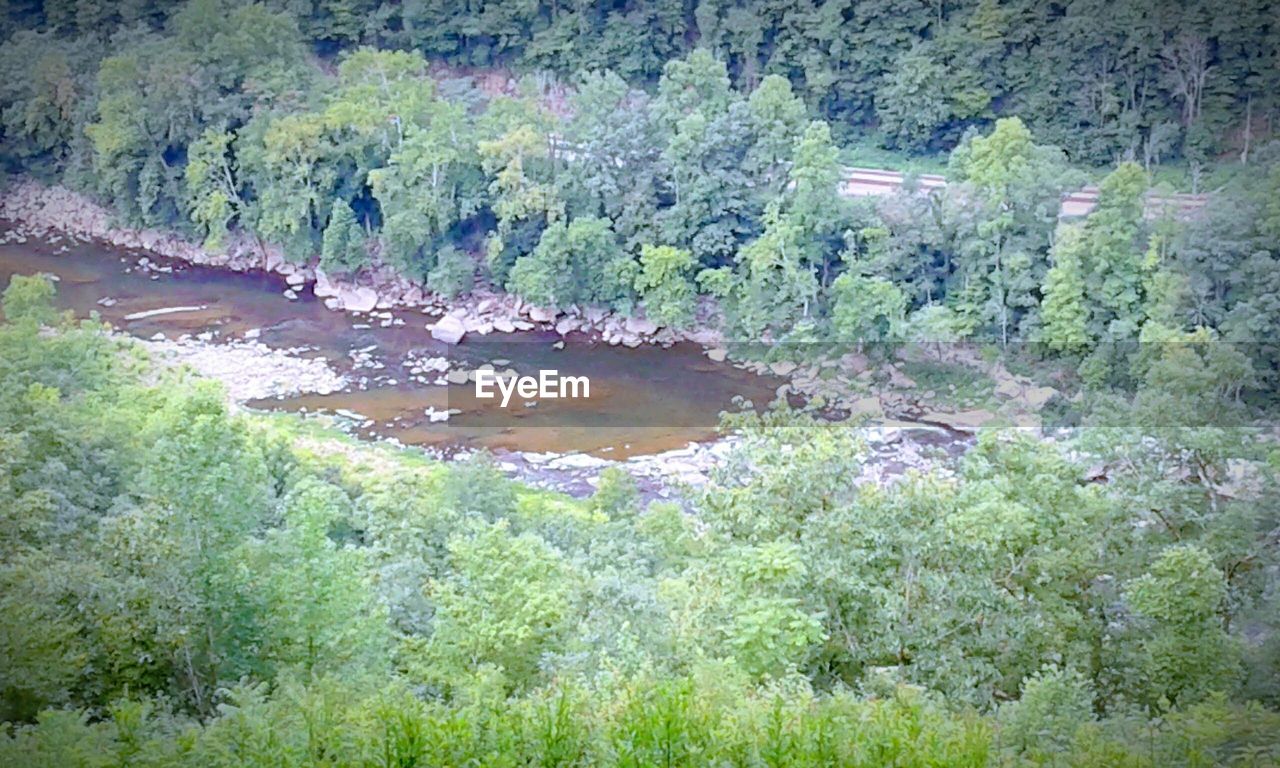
[863,182]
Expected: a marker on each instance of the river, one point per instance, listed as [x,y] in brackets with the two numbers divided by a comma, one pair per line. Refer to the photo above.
[642,401]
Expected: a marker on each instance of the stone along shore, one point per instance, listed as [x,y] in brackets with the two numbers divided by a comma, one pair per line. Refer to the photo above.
[39,210]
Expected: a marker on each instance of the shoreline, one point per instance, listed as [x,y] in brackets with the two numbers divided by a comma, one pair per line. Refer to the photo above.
[39,210]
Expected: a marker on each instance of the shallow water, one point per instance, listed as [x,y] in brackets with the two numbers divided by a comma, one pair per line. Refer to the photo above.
[643,401]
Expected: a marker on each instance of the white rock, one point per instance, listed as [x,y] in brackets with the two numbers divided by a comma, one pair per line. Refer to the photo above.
[449,329]
[640,326]
[360,299]
[578,461]
[543,314]
[323,288]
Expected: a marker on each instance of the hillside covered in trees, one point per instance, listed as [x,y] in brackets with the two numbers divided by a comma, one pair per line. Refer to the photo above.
[185,586]
[656,152]
[186,583]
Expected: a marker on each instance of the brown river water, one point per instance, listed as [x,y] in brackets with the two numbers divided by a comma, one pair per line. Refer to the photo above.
[642,401]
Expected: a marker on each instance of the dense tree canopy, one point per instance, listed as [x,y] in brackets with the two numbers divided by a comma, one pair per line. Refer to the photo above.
[181,584]
[201,585]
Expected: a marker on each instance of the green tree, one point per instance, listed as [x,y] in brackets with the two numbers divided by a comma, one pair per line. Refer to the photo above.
[815,203]
[614,171]
[866,310]
[1064,310]
[212,193]
[505,602]
[578,262]
[342,249]
[778,118]
[1114,255]
[665,284]
[29,298]
[1006,191]
[323,616]
[1186,654]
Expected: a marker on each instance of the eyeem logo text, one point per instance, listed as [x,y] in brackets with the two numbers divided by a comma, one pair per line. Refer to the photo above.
[548,384]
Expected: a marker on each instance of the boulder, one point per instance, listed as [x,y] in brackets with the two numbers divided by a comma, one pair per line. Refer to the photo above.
[869,406]
[703,336]
[961,421]
[640,326]
[358,299]
[1037,397]
[1008,388]
[449,329]
[567,325]
[717,354]
[782,367]
[543,314]
[323,288]
[503,325]
[899,379]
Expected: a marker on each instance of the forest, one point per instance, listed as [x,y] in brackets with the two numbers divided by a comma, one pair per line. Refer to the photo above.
[608,179]
[184,582]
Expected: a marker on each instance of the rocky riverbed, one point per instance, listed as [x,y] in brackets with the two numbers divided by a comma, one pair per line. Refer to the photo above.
[255,371]
[249,370]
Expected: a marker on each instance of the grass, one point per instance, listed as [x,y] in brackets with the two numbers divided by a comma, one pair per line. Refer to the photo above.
[972,388]
[867,152]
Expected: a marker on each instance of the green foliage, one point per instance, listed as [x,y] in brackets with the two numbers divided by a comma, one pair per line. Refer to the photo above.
[342,249]
[1001,241]
[213,592]
[1064,310]
[181,584]
[1187,655]
[505,603]
[1114,255]
[453,274]
[913,102]
[866,309]
[576,263]
[29,299]
[212,195]
[665,284]
[1054,706]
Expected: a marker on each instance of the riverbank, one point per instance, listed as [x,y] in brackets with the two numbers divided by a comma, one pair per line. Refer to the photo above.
[251,371]
[392,396]
[37,210]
